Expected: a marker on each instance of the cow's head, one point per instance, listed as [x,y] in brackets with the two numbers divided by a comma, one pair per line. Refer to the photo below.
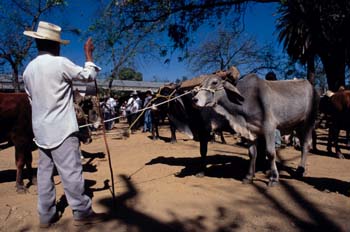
[215,88]
[84,134]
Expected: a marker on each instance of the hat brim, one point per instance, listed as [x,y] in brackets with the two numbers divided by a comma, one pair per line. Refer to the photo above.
[34,34]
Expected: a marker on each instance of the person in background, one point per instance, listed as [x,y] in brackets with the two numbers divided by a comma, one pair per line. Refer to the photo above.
[147,123]
[116,109]
[132,107]
[48,83]
[110,105]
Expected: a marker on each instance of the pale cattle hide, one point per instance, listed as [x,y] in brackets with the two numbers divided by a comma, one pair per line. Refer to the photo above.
[256,108]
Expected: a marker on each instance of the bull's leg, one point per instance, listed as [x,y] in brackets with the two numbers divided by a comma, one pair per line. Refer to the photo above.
[203,147]
[271,153]
[336,144]
[173,134]
[223,141]
[20,162]
[261,161]
[28,161]
[305,137]
[252,151]
[330,140]
[155,132]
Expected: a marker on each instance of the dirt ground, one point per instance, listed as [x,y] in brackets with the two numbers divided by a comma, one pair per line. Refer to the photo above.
[156,189]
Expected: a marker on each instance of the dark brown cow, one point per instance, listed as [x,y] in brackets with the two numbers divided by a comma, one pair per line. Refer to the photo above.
[337,105]
[16,127]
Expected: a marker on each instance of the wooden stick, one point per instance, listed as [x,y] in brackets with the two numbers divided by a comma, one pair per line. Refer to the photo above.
[106,144]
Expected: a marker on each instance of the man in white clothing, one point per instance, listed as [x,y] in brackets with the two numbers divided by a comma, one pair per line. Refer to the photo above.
[48,83]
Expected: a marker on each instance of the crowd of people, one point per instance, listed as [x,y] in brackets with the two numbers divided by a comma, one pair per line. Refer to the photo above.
[130,110]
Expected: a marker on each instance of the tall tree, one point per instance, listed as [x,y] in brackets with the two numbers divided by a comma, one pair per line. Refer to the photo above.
[181,17]
[317,28]
[15,17]
[326,20]
[129,74]
[231,47]
[116,46]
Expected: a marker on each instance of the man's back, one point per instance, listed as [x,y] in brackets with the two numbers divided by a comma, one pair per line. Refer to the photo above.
[51,98]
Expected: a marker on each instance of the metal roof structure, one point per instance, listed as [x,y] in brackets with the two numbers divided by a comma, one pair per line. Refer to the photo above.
[117,85]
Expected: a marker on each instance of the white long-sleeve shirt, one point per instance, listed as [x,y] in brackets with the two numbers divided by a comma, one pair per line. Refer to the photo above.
[48,83]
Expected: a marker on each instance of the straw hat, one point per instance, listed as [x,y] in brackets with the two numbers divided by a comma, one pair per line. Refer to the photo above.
[47,31]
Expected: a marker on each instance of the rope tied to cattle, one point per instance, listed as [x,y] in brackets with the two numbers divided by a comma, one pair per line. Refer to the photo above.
[197,89]
[158,95]
[142,110]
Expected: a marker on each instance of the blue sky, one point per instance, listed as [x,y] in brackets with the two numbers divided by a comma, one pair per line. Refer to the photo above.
[259,21]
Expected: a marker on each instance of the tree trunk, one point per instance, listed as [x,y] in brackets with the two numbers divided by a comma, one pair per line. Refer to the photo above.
[15,80]
[334,65]
[311,70]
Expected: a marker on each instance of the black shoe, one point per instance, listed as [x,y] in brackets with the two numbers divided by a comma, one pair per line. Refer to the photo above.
[93,218]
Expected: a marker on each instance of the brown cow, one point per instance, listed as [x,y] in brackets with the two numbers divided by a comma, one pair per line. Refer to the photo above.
[337,105]
[16,127]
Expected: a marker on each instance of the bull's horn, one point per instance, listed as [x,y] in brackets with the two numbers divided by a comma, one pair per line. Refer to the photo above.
[233,74]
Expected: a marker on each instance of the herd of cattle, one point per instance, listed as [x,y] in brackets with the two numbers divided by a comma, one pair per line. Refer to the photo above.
[223,101]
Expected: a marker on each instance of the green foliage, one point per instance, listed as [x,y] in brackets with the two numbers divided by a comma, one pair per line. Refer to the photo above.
[317,28]
[177,18]
[129,74]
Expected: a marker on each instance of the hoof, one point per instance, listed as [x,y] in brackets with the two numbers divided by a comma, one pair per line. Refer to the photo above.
[34,181]
[247,180]
[200,174]
[173,141]
[339,155]
[300,172]
[273,183]
[21,189]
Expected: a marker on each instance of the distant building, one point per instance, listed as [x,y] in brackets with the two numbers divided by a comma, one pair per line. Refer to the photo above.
[6,85]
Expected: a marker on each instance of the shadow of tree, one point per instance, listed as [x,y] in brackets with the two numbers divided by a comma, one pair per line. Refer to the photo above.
[134,220]
[122,215]
[328,185]
[217,166]
[320,221]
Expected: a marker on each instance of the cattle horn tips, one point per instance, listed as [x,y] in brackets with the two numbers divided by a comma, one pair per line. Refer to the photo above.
[233,73]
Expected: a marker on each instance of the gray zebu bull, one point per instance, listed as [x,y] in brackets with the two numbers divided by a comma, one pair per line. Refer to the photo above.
[256,107]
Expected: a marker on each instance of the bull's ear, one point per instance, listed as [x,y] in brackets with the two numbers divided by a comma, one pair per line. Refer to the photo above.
[232,92]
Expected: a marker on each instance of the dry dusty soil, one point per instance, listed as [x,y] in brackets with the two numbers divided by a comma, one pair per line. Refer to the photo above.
[156,189]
